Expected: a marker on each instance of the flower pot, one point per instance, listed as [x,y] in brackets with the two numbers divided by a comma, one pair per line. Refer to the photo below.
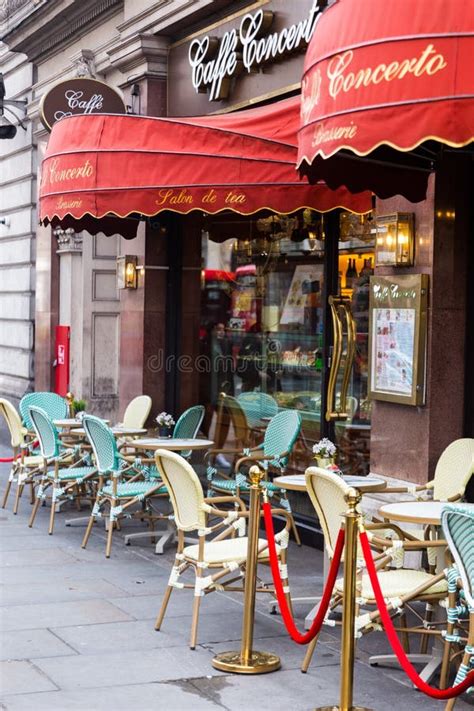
[324,462]
[164,431]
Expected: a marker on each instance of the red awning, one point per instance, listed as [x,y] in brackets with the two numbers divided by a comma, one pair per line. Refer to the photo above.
[109,165]
[383,77]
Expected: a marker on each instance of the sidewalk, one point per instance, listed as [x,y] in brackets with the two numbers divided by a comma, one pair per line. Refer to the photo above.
[76,633]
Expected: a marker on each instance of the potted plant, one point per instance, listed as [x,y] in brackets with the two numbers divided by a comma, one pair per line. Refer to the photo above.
[165,424]
[325,453]
[78,408]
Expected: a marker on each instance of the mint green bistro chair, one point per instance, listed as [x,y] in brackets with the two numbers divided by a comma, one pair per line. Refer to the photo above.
[53,404]
[67,476]
[272,454]
[188,425]
[257,406]
[113,491]
[458,525]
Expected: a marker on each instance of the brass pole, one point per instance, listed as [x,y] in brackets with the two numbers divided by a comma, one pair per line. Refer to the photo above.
[247,660]
[69,400]
[352,518]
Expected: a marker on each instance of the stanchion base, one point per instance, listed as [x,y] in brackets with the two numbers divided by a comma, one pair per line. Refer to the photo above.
[260,663]
[338,708]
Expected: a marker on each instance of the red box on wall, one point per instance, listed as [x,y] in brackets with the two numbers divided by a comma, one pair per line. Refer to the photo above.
[61,373]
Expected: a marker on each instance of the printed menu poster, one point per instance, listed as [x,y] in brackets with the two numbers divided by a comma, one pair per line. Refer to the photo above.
[393,348]
[306,279]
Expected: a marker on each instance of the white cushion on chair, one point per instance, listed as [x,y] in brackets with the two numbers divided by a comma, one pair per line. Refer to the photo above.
[230,549]
[395,583]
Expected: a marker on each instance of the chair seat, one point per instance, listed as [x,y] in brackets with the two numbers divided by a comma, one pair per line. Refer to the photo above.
[395,583]
[132,488]
[34,460]
[231,485]
[230,549]
[71,474]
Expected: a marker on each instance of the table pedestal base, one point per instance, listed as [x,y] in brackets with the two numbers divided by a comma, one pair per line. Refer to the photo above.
[431,661]
[166,537]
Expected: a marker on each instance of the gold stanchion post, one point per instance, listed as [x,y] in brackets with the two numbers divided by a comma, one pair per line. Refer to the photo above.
[352,518]
[248,660]
[70,400]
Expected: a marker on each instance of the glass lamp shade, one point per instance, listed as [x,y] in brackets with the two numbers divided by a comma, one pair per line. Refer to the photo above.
[395,240]
[127,272]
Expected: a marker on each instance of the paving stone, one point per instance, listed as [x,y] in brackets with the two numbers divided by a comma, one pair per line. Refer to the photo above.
[31,542]
[146,697]
[60,614]
[146,607]
[114,636]
[127,667]
[22,677]
[31,644]
[61,591]
[27,558]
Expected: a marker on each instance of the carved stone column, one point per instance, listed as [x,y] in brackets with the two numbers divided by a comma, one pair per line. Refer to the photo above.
[71,300]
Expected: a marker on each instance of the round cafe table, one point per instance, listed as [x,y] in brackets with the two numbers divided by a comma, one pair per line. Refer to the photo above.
[297,482]
[364,484]
[171,443]
[70,423]
[116,431]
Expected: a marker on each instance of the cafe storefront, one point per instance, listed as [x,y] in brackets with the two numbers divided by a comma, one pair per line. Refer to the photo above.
[241,259]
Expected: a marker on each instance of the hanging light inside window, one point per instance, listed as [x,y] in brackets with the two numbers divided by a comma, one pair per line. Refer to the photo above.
[395,240]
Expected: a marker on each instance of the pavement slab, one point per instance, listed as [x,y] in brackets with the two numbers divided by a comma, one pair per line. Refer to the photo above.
[20,677]
[59,614]
[32,644]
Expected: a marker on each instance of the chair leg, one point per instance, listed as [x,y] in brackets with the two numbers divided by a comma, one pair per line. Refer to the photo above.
[295,530]
[19,492]
[88,531]
[404,635]
[32,493]
[109,533]
[164,605]
[309,654]
[7,491]
[52,512]
[194,624]
[34,512]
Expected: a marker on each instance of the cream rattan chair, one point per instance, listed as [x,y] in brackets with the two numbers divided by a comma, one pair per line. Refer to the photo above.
[25,466]
[136,412]
[225,553]
[400,585]
[452,474]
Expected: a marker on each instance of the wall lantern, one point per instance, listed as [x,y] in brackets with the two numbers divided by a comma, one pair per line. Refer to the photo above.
[127,277]
[395,240]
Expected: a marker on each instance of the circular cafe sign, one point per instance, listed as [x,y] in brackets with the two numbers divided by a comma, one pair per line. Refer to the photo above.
[79,96]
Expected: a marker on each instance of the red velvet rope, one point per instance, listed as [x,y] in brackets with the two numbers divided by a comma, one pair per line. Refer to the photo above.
[6,459]
[293,631]
[395,642]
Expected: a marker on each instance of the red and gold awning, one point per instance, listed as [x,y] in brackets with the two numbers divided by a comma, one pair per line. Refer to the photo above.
[381,78]
[104,166]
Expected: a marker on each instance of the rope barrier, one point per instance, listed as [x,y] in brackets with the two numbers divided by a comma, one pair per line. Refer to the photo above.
[7,459]
[316,625]
[395,642]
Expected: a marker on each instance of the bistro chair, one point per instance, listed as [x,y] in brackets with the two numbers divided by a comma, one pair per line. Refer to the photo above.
[188,424]
[115,491]
[230,410]
[272,454]
[66,481]
[136,412]
[53,404]
[400,586]
[25,466]
[457,521]
[453,471]
[257,406]
[225,554]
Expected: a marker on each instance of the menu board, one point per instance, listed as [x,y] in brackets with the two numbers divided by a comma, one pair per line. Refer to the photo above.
[306,280]
[397,335]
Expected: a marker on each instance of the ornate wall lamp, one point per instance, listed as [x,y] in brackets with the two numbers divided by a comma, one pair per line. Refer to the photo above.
[395,241]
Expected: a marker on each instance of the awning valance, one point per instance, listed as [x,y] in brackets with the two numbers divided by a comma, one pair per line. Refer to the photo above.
[109,165]
[382,79]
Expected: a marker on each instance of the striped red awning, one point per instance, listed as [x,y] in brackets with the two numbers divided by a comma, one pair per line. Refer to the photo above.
[387,81]
[103,167]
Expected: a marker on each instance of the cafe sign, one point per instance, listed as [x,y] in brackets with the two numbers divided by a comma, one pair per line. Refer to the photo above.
[79,96]
[214,62]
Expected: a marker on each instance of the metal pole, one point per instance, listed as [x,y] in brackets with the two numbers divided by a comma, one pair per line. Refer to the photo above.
[352,518]
[247,660]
